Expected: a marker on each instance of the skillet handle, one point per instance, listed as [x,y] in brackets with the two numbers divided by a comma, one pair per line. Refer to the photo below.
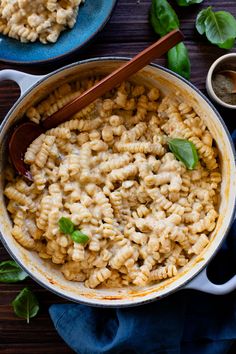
[24,80]
[202,283]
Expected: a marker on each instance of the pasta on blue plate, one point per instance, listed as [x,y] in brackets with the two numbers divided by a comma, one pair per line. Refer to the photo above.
[41,20]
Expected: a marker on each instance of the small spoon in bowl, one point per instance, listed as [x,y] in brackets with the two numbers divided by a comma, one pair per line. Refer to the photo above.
[230,74]
[25,133]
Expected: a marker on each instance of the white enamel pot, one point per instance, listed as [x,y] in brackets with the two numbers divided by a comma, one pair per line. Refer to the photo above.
[193,276]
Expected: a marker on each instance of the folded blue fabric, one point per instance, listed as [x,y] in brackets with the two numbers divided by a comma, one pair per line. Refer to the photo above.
[187,322]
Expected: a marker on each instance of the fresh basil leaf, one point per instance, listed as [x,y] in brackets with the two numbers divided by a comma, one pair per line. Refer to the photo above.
[219,27]
[200,21]
[185,151]
[66,225]
[178,60]
[79,237]
[163,18]
[188,2]
[25,304]
[10,272]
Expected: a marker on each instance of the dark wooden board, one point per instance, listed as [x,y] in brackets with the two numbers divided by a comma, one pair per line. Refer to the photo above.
[127,33]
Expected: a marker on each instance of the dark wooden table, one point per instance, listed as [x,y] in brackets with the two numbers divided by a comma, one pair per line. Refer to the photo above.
[127,33]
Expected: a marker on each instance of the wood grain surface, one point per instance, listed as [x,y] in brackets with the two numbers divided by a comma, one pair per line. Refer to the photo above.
[127,33]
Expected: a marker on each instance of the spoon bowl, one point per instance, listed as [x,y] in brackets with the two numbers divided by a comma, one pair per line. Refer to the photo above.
[230,74]
[21,138]
[24,134]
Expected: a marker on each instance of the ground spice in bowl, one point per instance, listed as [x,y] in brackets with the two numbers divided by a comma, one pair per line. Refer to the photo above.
[222,86]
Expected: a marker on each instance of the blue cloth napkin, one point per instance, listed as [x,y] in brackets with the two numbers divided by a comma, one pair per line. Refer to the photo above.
[187,322]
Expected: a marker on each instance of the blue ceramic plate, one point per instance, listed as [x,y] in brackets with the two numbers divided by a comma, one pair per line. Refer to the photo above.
[92,16]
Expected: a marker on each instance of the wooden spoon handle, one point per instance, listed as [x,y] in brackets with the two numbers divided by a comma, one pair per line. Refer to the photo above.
[116,77]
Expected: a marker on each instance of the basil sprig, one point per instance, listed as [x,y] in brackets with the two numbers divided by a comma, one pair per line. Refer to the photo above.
[185,151]
[164,19]
[68,227]
[219,27]
[188,2]
[25,304]
[10,272]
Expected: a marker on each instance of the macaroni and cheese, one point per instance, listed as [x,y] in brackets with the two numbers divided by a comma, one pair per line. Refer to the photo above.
[109,171]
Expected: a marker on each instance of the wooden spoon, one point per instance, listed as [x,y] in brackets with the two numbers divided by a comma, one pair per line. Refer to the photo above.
[25,133]
[231,74]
